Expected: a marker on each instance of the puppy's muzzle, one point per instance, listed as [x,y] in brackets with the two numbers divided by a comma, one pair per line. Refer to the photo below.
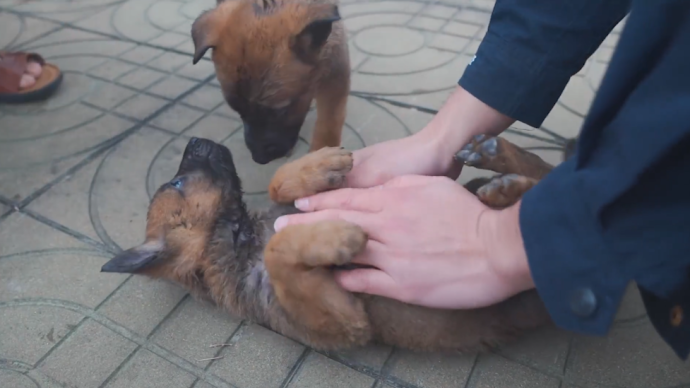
[199,148]
[266,148]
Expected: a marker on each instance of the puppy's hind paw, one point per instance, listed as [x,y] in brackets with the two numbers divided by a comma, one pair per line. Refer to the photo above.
[500,155]
[318,171]
[337,243]
[505,190]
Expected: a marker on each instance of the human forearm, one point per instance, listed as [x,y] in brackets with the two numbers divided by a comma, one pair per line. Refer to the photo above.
[531,50]
[521,68]
[430,151]
[460,118]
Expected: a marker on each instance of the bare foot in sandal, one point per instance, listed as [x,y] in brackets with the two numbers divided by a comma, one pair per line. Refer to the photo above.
[26,77]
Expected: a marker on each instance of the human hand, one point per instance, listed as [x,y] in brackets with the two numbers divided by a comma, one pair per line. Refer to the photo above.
[430,151]
[431,242]
[413,155]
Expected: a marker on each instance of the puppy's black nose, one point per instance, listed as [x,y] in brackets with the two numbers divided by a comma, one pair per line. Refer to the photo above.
[272,149]
[193,141]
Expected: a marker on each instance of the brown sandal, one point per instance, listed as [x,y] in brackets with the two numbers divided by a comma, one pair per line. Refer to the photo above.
[13,66]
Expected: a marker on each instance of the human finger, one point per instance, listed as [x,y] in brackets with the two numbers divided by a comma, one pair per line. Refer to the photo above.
[373,255]
[363,200]
[413,180]
[368,281]
[364,220]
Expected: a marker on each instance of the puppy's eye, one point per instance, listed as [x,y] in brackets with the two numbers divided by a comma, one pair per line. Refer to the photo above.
[176,183]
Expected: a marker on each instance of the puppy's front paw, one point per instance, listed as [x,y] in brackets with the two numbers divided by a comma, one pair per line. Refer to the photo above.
[505,190]
[313,173]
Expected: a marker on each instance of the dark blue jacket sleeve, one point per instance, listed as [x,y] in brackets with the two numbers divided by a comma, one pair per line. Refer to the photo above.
[619,211]
[532,48]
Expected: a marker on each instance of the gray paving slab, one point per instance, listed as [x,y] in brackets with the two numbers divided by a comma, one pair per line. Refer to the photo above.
[196,331]
[257,358]
[319,371]
[492,372]
[372,356]
[15,379]
[434,370]
[29,332]
[87,357]
[145,369]
[82,167]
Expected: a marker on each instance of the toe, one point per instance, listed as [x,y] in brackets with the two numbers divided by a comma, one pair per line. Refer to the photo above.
[490,146]
[509,178]
[473,158]
[463,155]
[340,161]
[34,69]
[496,184]
[27,81]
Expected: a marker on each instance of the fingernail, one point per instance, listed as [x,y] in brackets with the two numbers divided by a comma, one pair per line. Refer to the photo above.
[302,204]
[280,223]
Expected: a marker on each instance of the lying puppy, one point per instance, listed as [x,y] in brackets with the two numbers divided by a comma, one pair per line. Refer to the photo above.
[200,235]
[272,58]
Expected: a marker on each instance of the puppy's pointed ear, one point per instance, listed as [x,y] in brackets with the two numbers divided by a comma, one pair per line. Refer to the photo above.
[308,43]
[134,259]
[205,33]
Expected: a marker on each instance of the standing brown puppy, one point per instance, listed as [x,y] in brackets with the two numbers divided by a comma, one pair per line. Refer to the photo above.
[272,58]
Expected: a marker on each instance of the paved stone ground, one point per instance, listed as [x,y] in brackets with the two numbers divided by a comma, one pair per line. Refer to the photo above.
[76,173]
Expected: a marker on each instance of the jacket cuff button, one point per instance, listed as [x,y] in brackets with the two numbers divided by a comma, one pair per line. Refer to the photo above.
[583,302]
[676,316]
